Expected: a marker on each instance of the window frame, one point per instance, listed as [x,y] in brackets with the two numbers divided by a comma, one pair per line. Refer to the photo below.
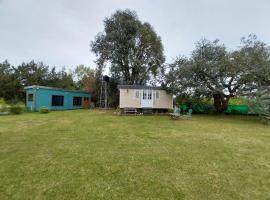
[58,102]
[149,95]
[137,94]
[32,97]
[144,95]
[77,99]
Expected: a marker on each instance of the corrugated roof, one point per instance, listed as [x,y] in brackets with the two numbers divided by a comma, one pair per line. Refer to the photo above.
[53,88]
[139,87]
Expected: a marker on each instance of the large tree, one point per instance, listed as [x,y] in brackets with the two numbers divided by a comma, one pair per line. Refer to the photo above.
[132,49]
[89,80]
[37,73]
[33,73]
[9,85]
[263,102]
[14,79]
[212,71]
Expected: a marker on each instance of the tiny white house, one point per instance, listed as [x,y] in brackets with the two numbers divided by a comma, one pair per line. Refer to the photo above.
[144,97]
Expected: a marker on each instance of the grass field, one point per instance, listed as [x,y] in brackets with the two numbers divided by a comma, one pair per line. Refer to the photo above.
[86,154]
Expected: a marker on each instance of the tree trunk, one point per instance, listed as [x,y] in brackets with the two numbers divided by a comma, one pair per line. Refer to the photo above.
[220,102]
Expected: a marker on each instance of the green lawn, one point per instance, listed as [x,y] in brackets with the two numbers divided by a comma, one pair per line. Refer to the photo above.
[86,154]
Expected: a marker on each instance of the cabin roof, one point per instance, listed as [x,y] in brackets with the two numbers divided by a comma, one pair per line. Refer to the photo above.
[53,88]
[139,87]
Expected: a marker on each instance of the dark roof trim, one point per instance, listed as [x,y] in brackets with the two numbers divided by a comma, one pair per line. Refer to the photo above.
[53,88]
[139,87]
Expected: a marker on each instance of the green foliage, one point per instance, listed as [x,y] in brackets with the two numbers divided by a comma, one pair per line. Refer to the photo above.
[16,109]
[13,79]
[189,99]
[37,73]
[239,101]
[213,71]
[203,108]
[132,48]
[89,80]
[44,110]
[27,110]
[263,96]
[4,108]
[170,111]
[33,73]
[2,101]
[10,87]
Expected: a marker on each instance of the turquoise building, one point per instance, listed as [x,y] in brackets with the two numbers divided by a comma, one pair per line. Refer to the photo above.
[56,98]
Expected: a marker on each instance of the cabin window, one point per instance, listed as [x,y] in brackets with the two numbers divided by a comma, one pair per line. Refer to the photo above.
[86,98]
[57,100]
[144,94]
[149,95]
[157,94]
[30,97]
[77,101]
[137,94]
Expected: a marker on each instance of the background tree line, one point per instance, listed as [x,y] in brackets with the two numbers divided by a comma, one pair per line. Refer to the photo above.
[134,54]
[213,71]
[14,78]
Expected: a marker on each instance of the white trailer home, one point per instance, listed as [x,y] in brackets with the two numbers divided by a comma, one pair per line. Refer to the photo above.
[144,97]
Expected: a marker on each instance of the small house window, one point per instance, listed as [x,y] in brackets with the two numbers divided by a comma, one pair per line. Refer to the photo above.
[57,100]
[30,97]
[137,94]
[157,94]
[86,98]
[144,94]
[77,101]
[149,95]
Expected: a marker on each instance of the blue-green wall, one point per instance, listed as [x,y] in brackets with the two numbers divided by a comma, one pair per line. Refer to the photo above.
[44,98]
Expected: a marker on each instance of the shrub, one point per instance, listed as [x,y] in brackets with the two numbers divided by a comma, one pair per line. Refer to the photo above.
[27,110]
[44,110]
[3,108]
[16,109]
[2,101]
[170,111]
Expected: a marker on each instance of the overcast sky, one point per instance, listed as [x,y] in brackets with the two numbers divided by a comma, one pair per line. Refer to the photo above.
[58,32]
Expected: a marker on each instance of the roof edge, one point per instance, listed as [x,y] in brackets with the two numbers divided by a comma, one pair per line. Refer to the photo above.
[53,88]
[140,87]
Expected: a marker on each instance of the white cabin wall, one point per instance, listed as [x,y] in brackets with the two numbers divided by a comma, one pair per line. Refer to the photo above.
[129,100]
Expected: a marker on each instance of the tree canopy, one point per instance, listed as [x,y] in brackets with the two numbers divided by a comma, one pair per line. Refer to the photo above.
[133,49]
[14,78]
[213,71]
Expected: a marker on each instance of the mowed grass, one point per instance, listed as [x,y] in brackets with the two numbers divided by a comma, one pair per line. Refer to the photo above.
[94,154]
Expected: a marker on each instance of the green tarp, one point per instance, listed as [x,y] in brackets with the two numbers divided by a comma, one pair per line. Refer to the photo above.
[237,109]
[232,109]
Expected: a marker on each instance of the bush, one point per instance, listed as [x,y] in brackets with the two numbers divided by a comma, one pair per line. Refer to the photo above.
[2,101]
[3,108]
[26,110]
[170,111]
[16,109]
[44,110]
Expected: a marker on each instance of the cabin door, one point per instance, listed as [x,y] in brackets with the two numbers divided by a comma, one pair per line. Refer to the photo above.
[86,102]
[147,99]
